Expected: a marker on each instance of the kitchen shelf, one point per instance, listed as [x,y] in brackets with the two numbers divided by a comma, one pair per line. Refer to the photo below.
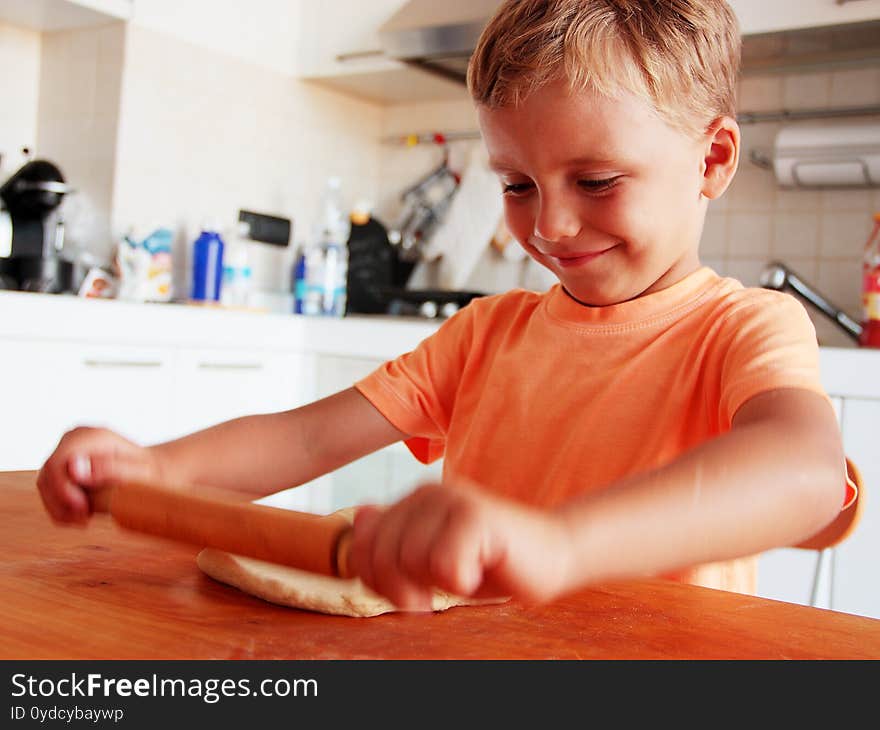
[747,117]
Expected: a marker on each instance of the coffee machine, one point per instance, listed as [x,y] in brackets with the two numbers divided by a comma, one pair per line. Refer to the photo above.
[32,231]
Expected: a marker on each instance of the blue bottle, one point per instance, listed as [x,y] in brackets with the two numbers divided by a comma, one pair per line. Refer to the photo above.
[207,266]
[299,282]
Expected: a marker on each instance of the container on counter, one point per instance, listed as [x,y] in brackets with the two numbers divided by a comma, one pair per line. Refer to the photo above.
[144,262]
[235,290]
[870,336]
[298,280]
[207,269]
[325,258]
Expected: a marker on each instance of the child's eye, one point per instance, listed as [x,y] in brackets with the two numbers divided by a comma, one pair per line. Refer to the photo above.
[516,188]
[599,185]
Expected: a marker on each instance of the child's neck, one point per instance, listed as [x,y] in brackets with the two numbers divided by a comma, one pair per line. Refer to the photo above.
[670,278]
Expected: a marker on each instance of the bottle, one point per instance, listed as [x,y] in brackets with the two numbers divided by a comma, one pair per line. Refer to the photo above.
[335,279]
[236,288]
[870,336]
[326,258]
[207,277]
[313,280]
[298,286]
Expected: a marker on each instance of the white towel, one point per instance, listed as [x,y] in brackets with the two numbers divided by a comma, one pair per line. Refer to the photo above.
[467,229]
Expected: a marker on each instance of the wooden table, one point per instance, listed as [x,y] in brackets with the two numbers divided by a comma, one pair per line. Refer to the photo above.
[103,593]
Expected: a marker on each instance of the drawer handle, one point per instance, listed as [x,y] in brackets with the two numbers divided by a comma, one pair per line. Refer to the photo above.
[123,363]
[230,366]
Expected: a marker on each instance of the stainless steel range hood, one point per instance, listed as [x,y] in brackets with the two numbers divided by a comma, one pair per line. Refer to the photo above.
[439,36]
[436,36]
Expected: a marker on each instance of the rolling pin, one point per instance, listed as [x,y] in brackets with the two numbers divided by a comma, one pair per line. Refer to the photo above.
[220,519]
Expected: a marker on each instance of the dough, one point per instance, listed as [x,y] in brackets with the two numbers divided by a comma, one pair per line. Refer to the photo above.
[288,586]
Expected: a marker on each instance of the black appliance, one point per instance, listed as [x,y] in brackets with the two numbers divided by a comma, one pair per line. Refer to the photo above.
[378,275]
[31,230]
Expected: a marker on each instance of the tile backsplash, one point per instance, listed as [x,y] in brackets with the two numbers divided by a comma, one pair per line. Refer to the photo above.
[819,234]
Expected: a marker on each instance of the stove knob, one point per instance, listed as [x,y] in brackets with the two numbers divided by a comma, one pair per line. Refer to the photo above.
[428,309]
[448,309]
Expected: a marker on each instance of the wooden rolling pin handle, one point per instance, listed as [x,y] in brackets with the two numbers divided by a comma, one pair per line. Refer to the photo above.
[100,499]
[342,568]
[220,519]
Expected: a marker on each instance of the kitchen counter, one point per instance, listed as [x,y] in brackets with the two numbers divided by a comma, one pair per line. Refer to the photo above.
[103,593]
[26,316]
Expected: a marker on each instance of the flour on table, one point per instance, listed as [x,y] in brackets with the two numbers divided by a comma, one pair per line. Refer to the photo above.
[288,586]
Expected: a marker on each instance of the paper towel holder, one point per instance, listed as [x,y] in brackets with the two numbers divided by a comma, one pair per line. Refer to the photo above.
[840,155]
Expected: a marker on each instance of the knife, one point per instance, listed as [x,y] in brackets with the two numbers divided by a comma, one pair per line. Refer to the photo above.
[218,518]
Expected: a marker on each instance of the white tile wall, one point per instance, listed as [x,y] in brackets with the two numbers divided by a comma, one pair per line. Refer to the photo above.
[19,93]
[820,234]
[152,129]
[203,134]
[80,87]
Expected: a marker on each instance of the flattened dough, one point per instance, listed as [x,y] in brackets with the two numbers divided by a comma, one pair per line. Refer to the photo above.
[301,589]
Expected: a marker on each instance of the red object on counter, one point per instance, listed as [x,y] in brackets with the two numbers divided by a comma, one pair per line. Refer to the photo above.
[870,336]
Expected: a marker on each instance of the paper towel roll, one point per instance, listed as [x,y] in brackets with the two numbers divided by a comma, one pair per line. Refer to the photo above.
[828,155]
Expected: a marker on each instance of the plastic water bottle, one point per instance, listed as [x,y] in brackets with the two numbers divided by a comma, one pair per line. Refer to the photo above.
[335,279]
[207,277]
[236,288]
[326,258]
[313,280]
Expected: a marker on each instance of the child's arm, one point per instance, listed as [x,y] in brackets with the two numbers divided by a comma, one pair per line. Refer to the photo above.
[257,454]
[776,478]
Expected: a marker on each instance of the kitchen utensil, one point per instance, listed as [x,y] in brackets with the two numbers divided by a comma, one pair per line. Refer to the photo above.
[778,276]
[220,519]
[424,205]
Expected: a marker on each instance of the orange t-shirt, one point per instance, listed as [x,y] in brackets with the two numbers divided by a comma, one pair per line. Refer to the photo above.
[539,398]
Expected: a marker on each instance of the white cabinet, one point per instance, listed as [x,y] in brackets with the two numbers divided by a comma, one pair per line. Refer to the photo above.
[339,49]
[156,372]
[857,573]
[764,16]
[849,577]
[50,387]
[341,37]
[213,385]
[379,478]
[49,15]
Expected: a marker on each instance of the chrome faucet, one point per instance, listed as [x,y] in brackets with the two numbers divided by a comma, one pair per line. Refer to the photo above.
[780,277]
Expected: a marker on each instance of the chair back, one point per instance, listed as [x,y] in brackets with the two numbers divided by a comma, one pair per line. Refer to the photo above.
[846,521]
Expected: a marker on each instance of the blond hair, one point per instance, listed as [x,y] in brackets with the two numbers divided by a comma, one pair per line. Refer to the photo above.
[680,56]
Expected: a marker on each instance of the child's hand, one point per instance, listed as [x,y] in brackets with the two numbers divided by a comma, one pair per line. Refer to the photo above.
[85,461]
[462,541]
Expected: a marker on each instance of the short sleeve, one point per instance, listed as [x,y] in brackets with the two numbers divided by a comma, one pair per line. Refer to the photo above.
[770,343]
[416,392]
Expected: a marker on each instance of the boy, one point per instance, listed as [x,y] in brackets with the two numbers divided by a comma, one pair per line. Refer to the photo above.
[643,417]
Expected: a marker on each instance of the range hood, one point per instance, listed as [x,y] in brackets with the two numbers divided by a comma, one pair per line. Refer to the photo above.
[436,36]
[440,37]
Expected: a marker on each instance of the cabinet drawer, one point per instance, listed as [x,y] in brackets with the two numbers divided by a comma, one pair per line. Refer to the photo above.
[217,385]
[51,387]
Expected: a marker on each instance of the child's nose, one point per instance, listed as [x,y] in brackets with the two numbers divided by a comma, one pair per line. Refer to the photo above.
[556,219]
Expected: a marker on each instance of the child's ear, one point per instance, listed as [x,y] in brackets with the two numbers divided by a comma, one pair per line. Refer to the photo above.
[721,156]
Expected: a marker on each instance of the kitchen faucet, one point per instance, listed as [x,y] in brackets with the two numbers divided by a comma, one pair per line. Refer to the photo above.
[778,276]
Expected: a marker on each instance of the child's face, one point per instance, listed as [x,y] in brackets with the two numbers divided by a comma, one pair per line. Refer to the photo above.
[602,192]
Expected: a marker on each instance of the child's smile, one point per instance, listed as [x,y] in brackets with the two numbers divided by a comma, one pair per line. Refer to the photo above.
[601,191]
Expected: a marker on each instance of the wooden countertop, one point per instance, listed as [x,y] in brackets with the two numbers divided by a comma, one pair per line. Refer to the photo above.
[102,593]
